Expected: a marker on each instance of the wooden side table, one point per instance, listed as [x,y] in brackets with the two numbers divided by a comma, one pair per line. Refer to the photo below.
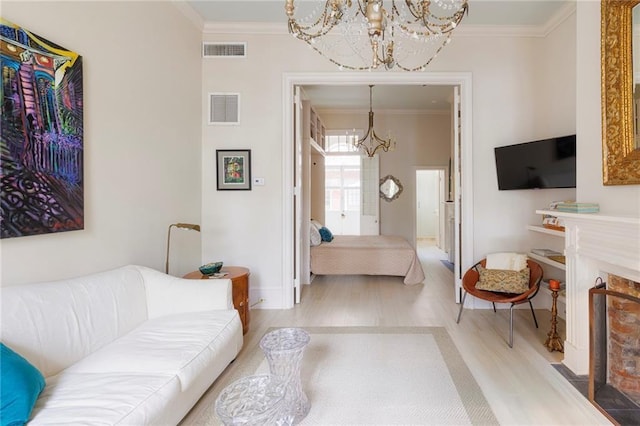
[239,277]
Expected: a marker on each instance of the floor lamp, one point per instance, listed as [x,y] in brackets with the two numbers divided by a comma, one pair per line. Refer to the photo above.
[181,226]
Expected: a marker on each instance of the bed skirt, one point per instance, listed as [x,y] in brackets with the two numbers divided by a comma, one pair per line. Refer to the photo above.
[367,255]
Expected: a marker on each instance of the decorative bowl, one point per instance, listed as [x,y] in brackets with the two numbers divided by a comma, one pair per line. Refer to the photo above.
[211,268]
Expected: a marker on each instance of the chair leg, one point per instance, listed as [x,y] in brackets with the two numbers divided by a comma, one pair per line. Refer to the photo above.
[533,313]
[494,307]
[511,326]
[464,296]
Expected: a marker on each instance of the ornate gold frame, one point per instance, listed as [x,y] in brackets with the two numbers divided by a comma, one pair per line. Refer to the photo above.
[620,159]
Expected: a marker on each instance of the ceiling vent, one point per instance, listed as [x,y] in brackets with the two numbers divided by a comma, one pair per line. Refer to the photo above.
[224,108]
[224,50]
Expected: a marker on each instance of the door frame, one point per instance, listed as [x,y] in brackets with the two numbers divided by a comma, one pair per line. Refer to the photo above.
[462,162]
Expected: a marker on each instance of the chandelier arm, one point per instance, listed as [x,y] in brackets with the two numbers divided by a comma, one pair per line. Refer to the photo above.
[299,33]
[329,18]
[290,9]
[296,28]
[445,24]
[416,11]
[362,7]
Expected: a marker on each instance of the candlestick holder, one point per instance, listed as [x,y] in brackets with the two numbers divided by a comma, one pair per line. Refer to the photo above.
[553,342]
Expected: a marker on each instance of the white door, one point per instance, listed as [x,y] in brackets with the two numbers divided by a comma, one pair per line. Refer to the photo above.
[342,194]
[457,192]
[370,195]
[297,190]
[428,198]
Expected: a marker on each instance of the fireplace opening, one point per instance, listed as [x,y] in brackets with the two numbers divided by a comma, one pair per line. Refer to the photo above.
[614,353]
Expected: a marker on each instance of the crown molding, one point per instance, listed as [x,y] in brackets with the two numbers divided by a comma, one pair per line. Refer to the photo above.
[565,12]
[269,28]
[280,28]
[190,13]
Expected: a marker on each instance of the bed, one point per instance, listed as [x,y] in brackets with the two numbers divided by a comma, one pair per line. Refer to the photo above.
[367,255]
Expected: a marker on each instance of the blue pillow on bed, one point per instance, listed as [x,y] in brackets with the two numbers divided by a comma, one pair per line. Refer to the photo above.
[326,235]
[21,385]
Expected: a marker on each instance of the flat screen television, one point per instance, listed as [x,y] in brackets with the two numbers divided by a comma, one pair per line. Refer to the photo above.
[547,163]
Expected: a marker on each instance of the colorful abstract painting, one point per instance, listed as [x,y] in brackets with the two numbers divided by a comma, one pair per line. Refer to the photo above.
[41,151]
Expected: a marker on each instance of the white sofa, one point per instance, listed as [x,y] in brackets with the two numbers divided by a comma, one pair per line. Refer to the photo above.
[131,346]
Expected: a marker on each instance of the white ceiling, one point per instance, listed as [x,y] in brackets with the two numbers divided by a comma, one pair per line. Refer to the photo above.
[482,13]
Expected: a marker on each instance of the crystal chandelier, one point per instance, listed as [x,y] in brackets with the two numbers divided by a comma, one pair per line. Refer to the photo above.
[370,142]
[363,34]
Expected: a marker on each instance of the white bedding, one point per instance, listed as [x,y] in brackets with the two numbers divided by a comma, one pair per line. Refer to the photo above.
[367,255]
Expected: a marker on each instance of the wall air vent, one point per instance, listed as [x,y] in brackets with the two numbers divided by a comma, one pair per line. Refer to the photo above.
[224,50]
[224,108]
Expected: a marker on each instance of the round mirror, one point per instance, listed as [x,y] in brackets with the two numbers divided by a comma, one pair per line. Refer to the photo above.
[390,188]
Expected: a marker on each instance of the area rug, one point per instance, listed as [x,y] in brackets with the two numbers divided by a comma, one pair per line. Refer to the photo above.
[382,376]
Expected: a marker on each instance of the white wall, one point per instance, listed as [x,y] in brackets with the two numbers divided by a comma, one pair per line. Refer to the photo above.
[142,138]
[506,72]
[245,227]
[143,125]
[623,200]
[547,108]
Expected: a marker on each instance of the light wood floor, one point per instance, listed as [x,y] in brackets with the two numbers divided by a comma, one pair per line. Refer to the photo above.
[520,384]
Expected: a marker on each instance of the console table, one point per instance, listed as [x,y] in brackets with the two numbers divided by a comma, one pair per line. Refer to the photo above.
[239,277]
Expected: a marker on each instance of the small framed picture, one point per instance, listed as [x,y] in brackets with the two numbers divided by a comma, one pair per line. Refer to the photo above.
[233,169]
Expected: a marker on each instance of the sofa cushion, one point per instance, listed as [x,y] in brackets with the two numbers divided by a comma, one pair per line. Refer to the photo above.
[105,399]
[182,344]
[168,295]
[56,324]
[20,385]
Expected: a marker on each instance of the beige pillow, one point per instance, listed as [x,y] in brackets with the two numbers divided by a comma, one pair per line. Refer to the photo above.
[509,261]
[503,281]
[316,238]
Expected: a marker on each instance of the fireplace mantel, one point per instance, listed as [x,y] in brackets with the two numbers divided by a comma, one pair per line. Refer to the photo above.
[595,245]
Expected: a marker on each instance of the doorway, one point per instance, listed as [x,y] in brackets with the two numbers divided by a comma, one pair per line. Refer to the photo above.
[434,233]
[430,197]
[462,188]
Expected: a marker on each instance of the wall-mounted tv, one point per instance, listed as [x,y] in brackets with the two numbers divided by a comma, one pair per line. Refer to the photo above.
[547,163]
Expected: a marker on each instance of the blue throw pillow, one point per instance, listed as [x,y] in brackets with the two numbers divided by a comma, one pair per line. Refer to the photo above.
[21,385]
[326,235]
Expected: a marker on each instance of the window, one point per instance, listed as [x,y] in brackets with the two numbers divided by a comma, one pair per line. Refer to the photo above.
[340,141]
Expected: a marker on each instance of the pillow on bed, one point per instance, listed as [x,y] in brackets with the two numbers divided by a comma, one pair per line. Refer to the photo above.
[316,238]
[503,281]
[316,224]
[326,235]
